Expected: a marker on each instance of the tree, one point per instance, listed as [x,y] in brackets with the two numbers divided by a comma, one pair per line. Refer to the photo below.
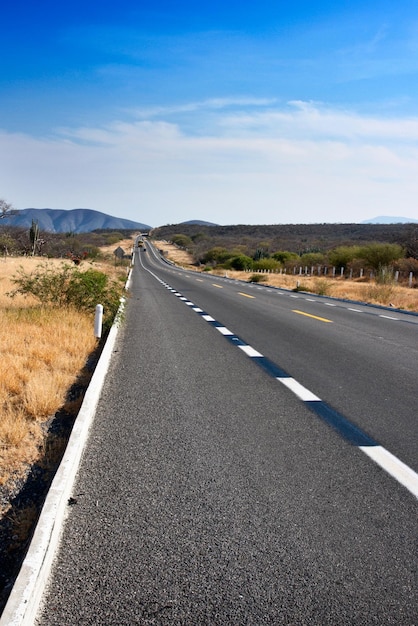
[7,243]
[342,256]
[6,209]
[380,255]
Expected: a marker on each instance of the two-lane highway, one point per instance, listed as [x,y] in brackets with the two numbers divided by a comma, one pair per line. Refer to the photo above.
[210,493]
[362,360]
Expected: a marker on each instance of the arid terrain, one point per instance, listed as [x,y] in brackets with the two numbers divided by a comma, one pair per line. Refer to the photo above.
[362,290]
[47,357]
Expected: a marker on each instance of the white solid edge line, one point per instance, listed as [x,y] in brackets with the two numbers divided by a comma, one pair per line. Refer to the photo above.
[396,468]
[299,390]
[249,351]
[25,597]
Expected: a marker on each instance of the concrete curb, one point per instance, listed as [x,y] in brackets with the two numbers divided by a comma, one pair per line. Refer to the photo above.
[26,595]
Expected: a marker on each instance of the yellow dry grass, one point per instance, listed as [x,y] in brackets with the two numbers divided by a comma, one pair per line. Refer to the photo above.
[42,353]
[397,296]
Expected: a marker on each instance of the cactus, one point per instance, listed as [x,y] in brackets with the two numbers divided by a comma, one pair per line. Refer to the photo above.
[34,235]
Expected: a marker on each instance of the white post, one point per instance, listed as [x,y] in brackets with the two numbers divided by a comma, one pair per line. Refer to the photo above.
[98,318]
[342,271]
[410,279]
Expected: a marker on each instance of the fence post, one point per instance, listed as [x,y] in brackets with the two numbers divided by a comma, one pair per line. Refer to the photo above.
[98,319]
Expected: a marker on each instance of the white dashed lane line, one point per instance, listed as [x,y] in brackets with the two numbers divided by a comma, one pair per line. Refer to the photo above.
[346,429]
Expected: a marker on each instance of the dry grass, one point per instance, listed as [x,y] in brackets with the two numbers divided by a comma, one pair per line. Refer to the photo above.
[42,353]
[175,254]
[400,297]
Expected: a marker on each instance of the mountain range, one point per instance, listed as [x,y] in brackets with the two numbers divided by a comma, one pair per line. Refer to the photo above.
[387,219]
[72,220]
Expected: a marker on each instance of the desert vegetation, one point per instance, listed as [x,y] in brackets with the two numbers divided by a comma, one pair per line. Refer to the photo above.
[370,262]
[353,250]
[377,285]
[47,311]
[47,355]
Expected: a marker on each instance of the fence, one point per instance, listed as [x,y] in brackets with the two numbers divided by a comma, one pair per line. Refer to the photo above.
[324,270]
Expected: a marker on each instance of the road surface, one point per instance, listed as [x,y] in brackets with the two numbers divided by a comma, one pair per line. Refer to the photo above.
[216,488]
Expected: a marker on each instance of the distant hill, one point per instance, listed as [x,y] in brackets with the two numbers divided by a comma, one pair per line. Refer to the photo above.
[72,220]
[199,223]
[299,238]
[387,219]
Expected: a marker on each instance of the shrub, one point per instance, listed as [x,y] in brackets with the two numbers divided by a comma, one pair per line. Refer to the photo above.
[267,264]
[216,255]
[342,256]
[380,255]
[284,256]
[242,263]
[182,241]
[312,258]
[323,287]
[68,286]
[381,294]
[257,278]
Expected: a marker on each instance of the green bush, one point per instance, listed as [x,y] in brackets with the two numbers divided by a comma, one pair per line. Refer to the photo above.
[257,278]
[182,241]
[242,263]
[312,258]
[68,286]
[343,256]
[267,264]
[381,255]
[216,255]
[285,256]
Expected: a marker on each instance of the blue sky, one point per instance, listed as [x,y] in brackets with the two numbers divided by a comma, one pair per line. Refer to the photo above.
[232,112]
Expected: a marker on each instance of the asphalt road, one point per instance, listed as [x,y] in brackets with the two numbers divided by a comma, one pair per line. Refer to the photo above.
[210,494]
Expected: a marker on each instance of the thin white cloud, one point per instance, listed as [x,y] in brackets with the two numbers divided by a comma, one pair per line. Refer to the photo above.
[316,121]
[209,104]
[304,163]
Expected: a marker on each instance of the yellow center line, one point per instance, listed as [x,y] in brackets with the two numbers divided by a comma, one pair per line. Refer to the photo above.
[246,295]
[218,286]
[315,317]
